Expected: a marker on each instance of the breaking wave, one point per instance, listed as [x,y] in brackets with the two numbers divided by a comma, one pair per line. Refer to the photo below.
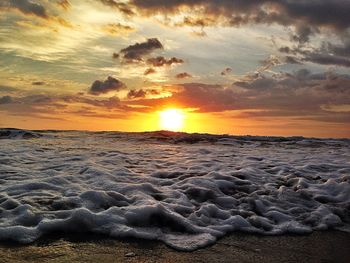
[186,190]
[18,134]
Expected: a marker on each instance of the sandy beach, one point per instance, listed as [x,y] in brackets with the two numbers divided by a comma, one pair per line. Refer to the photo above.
[321,246]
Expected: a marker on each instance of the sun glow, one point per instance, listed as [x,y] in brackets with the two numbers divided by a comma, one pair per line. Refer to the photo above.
[171,119]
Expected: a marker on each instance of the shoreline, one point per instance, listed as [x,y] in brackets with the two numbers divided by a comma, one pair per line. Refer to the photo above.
[319,246]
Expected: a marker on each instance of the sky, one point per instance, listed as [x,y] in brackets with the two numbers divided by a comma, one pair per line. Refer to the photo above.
[258,67]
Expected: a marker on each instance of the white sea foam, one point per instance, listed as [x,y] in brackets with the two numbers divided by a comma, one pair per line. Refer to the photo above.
[184,189]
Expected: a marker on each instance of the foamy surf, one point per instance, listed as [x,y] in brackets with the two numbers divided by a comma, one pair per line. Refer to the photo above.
[186,190]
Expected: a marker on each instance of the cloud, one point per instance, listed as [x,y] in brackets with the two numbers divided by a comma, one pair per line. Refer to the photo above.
[291,60]
[136,94]
[38,83]
[107,103]
[124,8]
[149,71]
[315,14]
[41,103]
[102,87]
[117,29]
[47,106]
[342,49]
[268,63]
[35,9]
[300,91]
[65,4]
[200,33]
[31,105]
[203,97]
[136,52]
[141,93]
[226,71]
[93,114]
[327,59]
[162,61]
[183,75]
[196,22]
[303,33]
[26,7]
[285,50]
[5,99]
[327,54]
[7,89]
[301,94]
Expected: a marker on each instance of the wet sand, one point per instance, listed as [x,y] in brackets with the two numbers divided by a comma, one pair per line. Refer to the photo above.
[328,246]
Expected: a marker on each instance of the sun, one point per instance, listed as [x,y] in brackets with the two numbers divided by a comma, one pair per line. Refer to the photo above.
[171,119]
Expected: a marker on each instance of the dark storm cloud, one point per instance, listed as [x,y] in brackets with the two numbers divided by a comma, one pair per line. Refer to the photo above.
[303,33]
[305,19]
[136,52]
[162,61]
[26,7]
[327,54]
[314,13]
[102,87]
[342,49]
[327,59]
[333,13]
[183,75]
[330,54]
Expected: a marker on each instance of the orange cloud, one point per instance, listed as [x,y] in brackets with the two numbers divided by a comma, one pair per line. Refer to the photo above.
[117,29]
[65,4]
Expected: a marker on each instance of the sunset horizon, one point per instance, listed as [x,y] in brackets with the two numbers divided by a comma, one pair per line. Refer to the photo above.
[136,130]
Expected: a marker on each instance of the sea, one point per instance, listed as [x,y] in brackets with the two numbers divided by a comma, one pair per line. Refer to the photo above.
[186,190]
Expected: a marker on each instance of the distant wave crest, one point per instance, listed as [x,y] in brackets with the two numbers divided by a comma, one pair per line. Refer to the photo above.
[11,133]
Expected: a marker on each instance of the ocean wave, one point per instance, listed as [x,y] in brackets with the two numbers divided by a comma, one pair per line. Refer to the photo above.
[12,133]
[186,190]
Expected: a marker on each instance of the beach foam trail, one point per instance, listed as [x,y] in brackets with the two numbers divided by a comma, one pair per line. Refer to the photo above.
[186,190]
